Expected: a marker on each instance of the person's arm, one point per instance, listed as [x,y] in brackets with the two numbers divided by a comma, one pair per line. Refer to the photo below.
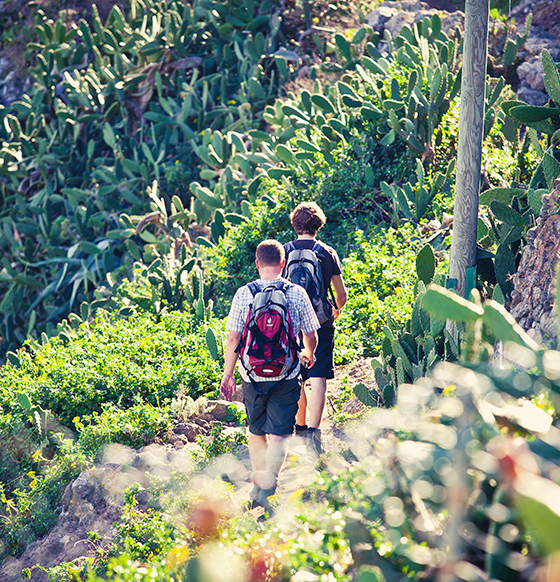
[310,341]
[227,385]
[340,293]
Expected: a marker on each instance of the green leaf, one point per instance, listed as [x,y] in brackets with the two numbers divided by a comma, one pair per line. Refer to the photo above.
[133,250]
[323,103]
[258,135]
[212,344]
[389,138]
[371,113]
[391,104]
[426,264]
[204,242]
[510,52]
[359,36]
[351,102]
[551,77]
[234,218]
[343,46]
[506,214]
[504,327]
[504,195]
[533,114]
[207,196]
[90,248]
[538,502]
[22,398]
[444,304]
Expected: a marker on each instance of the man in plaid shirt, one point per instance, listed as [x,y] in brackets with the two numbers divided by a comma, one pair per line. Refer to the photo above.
[271,418]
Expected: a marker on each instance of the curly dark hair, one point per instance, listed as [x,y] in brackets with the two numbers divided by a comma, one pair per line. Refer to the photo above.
[307,218]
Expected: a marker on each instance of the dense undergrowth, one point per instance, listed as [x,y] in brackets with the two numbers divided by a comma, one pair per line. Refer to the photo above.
[147,162]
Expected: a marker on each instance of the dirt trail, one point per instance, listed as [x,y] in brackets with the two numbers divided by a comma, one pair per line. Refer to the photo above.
[299,468]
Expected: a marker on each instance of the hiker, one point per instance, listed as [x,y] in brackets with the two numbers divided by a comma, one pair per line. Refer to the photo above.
[271,387]
[315,266]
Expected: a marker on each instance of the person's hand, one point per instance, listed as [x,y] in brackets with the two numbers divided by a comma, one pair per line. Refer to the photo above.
[227,386]
[335,313]
[307,359]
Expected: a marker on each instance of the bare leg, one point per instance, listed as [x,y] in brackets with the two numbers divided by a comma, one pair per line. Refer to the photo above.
[316,402]
[301,416]
[257,451]
[267,458]
[276,454]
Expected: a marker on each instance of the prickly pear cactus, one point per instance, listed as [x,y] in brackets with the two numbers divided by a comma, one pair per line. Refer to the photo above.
[212,344]
[365,395]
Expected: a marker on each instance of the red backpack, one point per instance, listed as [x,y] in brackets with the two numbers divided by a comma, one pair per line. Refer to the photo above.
[268,346]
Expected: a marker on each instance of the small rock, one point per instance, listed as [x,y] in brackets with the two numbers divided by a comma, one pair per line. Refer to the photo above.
[218,409]
[532,73]
[532,97]
[181,428]
[379,17]
[206,417]
[82,487]
[190,430]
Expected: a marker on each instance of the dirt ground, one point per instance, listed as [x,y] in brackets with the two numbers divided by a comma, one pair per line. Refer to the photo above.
[299,468]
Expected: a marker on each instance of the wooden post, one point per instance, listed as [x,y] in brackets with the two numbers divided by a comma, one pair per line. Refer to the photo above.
[471,127]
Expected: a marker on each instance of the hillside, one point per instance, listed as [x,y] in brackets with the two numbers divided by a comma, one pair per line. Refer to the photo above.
[157,145]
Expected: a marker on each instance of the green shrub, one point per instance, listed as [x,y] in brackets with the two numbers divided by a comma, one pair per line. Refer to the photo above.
[134,427]
[232,262]
[380,277]
[31,508]
[142,535]
[115,361]
[112,112]
[218,443]
[110,381]
[20,445]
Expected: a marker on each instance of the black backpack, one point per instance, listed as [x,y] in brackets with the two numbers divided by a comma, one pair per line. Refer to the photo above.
[303,267]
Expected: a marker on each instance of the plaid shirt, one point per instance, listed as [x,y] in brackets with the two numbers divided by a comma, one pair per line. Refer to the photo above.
[301,312]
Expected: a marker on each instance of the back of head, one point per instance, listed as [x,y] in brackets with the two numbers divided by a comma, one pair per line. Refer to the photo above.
[307,218]
[270,253]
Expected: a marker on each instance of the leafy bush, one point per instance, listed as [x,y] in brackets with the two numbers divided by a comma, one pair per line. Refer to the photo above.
[380,277]
[142,535]
[29,505]
[115,362]
[134,427]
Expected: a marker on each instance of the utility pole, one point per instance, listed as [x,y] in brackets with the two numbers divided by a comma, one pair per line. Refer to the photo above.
[462,262]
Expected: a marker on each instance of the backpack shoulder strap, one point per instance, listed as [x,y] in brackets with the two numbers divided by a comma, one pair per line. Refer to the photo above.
[318,248]
[289,247]
[283,286]
[253,288]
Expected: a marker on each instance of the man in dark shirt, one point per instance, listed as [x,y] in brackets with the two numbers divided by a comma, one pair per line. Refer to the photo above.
[307,219]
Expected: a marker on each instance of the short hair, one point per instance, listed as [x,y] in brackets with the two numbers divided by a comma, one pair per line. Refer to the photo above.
[270,253]
[307,218]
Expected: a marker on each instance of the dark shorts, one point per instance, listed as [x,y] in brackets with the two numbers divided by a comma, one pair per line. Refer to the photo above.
[324,358]
[272,413]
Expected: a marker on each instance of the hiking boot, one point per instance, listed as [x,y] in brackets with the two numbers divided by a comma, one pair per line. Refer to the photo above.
[259,498]
[301,431]
[314,445]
